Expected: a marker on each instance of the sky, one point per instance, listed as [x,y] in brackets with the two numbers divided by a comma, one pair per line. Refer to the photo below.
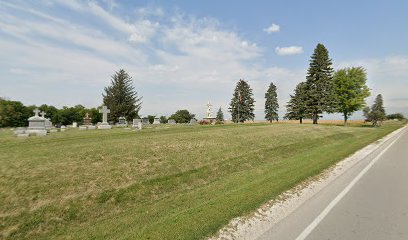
[182,54]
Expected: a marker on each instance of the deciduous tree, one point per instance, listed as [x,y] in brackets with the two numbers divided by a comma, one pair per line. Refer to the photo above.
[351,90]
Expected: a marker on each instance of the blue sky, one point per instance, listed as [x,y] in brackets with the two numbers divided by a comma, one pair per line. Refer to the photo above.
[182,54]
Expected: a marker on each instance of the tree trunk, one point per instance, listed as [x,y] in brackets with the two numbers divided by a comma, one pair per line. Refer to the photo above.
[345,119]
[315,116]
[301,120]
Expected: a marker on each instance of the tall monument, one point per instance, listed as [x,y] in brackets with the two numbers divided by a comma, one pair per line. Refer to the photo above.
[104,124]
[209,117]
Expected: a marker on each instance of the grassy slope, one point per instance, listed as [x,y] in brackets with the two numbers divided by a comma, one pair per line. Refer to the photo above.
[177,183]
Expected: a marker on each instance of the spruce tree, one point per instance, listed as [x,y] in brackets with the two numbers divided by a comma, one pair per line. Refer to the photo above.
[296,108]
[377,114]
[220,115]
[320,87]
[242,103]
[121,97]
[271,104]
[351,90]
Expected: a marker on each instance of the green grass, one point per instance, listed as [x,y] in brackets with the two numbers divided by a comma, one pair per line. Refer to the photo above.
[167,183]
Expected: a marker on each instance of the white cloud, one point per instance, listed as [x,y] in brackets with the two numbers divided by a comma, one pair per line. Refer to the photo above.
[285,51]
[272,29]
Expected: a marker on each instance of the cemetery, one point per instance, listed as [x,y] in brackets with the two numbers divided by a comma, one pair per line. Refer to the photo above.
[174,120]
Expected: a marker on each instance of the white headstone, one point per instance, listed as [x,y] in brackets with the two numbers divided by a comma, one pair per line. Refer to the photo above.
[156,121]
[104,124]
[36,124]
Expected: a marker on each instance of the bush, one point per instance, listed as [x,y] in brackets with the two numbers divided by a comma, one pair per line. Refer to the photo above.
[204,122]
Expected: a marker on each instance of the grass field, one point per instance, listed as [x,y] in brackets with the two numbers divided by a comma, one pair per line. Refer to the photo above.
[166,183]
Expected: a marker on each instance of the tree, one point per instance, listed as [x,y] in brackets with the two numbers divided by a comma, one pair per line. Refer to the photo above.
[320,88]
[163,119]
[121,97]
[242,103]
[13,114]
[51,112]
[182,116]
[296,108]
[377,114]
[351,90]
[220,116]
[398,116]
[151,118]
[271,104]
[95,115]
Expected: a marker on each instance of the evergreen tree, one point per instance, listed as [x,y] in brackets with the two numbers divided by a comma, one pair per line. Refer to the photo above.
[377,113]
[320,87]
[121,97]
[351,90]
[296,108]
[220,115]
[242,103]
[271,104]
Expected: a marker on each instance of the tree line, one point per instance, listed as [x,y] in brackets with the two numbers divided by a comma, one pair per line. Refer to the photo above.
[16,114]
[324,91]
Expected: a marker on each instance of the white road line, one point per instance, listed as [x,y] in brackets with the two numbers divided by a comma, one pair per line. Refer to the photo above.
[336,200]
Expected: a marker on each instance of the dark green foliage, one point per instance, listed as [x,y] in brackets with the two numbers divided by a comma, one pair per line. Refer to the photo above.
[351,90]
[68,115]
[242,102]
[163,119]
[51,112]
[220,116]
[271,104]
[95,115]
[182,116]
[121,97]
[14,113]
[151,118]
[319,84]
[296,108]
[398,116]
[376,114]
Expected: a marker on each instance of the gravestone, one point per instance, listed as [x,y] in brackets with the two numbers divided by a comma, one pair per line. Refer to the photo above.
[82,127]
[171,121]
[193,121]
[48,123]
[136,122]
[87,120]
[36,124]
[104,124]
[91,127]
[63,128]
[140,125]
[74,124]
[156,121]
[122,122]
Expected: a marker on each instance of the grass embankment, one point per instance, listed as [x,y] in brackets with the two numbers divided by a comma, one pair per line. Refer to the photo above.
[176,183]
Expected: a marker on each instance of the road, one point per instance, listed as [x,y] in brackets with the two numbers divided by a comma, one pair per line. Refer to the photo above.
[369,201]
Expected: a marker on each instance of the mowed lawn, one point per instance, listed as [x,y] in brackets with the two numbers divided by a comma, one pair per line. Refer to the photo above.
[183,182]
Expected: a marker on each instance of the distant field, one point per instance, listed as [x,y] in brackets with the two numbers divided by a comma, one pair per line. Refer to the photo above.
[183,182]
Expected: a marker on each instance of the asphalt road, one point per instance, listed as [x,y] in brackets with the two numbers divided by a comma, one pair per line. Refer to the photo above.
[369,201]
